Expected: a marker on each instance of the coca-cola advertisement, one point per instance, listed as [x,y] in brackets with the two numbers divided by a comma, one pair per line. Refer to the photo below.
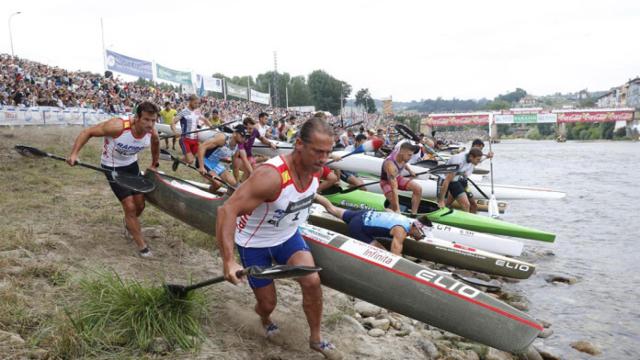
[457,119]
[594,116]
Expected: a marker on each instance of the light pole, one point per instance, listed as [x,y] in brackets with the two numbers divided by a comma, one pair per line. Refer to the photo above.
[10,36]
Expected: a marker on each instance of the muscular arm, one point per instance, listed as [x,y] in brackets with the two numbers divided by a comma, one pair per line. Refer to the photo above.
[242,154]
[444,188]
[264,185]
[399,234]
[173,124]
[209,144]
[111,127]
[155,149]
[331,180]
[392,173]
[333,210]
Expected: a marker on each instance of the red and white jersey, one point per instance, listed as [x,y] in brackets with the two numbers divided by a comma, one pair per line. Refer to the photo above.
[274,222]
[122,150]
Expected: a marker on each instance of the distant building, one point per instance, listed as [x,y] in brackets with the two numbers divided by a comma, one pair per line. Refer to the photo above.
[528,100]
[633,93]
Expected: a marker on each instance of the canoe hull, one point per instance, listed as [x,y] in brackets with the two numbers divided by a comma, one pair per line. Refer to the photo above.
[441,251]
[389,281]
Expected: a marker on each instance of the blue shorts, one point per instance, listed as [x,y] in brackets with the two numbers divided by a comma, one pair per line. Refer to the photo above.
[355,224]
[214,165]
[265,257]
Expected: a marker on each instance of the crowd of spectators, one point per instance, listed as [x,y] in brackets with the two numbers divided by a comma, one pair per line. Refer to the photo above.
[25,83]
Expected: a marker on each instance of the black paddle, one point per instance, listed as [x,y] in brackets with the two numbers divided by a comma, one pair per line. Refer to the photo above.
[273,272]
[440,169]
[199,130]
[407,133]
[133,182]
[478,188]
[177,160]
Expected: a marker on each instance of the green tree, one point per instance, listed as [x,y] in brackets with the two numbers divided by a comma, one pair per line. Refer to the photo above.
[364,99]
[512,97]
[326,91]
[299,94]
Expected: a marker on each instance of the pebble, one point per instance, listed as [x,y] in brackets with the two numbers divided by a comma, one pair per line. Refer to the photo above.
[353,324]
[545,324]
[548,356]
[570,280]
[381,324]
[493,354]
[545,333]
[479,349]
[366,310]
[520,305]
[586,347]
[376,332]
[429,348]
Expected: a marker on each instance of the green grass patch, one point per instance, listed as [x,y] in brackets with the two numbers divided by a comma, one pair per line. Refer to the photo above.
[120,315]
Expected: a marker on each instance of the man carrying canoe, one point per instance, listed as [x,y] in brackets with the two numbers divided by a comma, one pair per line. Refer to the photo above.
[213,153]
[123,140]
[456,183]
[368,225]
[262,217]
[189,118]
[391,179]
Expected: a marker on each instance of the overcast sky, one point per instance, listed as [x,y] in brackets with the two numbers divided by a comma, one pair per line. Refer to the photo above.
[406,49]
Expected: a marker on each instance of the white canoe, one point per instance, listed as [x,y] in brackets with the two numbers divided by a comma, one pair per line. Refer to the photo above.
[165,130]
[373,165]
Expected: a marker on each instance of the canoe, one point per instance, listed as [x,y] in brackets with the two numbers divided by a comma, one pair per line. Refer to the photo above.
[479,240]
[184,201]
[439,251]
[358,199]
[372,165]
[165,130]
[400,285]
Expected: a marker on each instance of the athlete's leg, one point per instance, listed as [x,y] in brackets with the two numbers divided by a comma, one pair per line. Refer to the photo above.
[416,195]
[311,294]
[131,219]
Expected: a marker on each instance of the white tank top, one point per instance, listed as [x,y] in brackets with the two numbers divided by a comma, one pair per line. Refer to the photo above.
[122,150]
[274,222]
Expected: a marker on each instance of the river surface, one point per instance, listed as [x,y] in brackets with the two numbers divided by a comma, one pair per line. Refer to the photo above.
[598,240]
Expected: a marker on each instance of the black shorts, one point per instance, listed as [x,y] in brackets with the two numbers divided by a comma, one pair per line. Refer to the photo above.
[120,191]
[457,188]
[344,175]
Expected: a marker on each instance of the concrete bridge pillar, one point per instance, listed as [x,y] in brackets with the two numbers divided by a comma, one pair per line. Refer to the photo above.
[562,131]
[494,131]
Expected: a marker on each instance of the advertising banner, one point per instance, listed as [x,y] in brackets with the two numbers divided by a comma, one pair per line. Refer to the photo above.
[259,97]
[595,116]
[208,83]
[457,119]
[128,65]
[176,76]
[238,91]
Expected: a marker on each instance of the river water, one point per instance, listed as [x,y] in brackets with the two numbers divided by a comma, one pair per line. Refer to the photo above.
[598,240]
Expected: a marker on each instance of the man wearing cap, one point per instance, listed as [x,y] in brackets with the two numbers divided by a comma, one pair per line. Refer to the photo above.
[369,225]
[216,153]
[392,181]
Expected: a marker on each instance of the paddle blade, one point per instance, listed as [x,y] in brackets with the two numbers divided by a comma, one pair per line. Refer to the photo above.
[177,291]
[165,155]
[444,169]
[30,151]
[406,132]
[494,211]
[280,271]
[134,182]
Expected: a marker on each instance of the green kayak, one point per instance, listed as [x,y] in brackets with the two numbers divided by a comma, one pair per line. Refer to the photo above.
[358,199]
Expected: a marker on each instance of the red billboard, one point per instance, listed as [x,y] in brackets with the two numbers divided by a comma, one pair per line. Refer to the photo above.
[595,116]
[456,119]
